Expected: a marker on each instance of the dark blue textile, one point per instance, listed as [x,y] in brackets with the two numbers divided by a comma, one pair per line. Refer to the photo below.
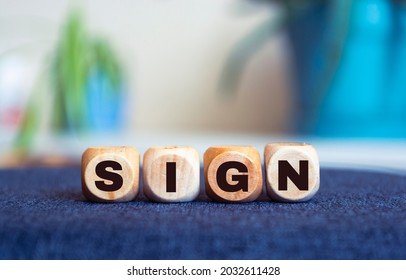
[355,215]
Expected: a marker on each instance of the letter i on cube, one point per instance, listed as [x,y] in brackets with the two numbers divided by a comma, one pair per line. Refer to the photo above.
[171,174]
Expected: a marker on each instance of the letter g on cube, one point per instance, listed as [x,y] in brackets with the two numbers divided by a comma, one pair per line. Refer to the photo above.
[233,173]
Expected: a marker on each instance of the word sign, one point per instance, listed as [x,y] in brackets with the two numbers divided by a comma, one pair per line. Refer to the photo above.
[172,173]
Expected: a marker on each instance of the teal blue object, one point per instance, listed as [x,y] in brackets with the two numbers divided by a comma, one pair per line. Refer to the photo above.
[367,94]
[104,103]
[397,71]
[307,33]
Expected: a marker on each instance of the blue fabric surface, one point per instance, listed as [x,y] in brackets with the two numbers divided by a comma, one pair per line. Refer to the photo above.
[355,215]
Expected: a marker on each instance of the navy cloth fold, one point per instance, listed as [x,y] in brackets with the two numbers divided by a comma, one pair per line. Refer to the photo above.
[355,215]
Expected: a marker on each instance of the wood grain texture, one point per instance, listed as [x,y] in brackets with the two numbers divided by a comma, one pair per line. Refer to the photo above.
[179,182]
[294,154]
[128,159]
[233,183]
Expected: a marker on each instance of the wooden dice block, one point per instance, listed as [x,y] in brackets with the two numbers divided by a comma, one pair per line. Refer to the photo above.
[233,173]
[110,174]
[171,174]
[292,171]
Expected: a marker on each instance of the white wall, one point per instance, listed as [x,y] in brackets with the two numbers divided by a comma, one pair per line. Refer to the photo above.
[174,52]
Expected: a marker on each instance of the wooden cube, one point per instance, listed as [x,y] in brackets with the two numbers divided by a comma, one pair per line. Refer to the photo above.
[292,171]
[171,173]
[110,174]
[233,173]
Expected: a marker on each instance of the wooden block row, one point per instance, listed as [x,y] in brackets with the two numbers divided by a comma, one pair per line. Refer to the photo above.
[172,173]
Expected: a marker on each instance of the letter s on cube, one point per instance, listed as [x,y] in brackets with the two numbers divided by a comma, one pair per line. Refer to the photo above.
[110,174]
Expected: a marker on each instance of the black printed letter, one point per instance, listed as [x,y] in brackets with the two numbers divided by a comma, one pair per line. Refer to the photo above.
[171,177]
[301,179]
[242,179]
[104,174]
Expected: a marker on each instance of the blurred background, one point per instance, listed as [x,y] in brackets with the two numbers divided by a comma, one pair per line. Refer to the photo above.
[75,74]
